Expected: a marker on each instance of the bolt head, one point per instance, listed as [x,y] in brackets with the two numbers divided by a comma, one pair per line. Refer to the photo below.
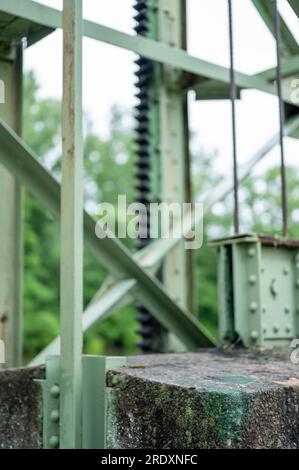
[254,335]
[252,279]
[276,328]
[288,329]
[55,391]
[251,252]
[286,270]
[54,442]
[54,416]
[253,307]
[287,309]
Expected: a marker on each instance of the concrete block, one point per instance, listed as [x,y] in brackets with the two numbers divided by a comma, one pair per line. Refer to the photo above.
[206,400]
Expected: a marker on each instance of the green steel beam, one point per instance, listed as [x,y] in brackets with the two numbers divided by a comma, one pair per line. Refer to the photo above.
[148,48]
[71,257]
[173,151]
[97,399]
[14,29]
[290,66]
[295,6]
[11,215]
[177,58]
[21,161]
[289,43]
[51,403]
[212,90]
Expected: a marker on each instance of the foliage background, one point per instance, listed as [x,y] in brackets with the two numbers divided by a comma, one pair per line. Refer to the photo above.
[109,171]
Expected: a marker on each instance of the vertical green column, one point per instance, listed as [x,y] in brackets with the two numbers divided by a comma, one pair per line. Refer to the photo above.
[174,148]
[71,229]
[11,203]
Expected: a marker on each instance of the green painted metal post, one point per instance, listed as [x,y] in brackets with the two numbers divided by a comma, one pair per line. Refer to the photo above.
[71,229]
[96,399]
[11,202]
[175,181]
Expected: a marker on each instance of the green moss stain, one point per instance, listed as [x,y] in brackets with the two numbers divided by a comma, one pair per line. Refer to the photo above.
[176,416]
[227,411]
[234,379]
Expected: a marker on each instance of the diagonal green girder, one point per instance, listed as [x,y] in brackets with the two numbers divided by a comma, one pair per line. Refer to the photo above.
[289,43]
[295,6]
[21,161]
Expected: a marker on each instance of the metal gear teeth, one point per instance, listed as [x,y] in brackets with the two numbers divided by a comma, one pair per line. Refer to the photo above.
[140,5]
[144,74]
[142,139]
[142,164]
[143,127]
[142,173]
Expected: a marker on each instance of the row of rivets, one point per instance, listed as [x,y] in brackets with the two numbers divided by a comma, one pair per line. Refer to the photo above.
[276,329]
[54,417]
[253,307]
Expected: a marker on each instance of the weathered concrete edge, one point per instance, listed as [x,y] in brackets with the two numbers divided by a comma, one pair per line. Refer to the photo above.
[21,408]
[149,414]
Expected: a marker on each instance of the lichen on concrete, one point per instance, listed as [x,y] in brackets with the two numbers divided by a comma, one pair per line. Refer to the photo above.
[21,408]
[205,400]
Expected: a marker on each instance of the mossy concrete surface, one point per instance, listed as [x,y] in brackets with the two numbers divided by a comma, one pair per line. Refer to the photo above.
[204,400]
[21,408]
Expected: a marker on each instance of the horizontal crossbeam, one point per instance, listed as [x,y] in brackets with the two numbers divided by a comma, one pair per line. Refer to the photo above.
[290,66]
[145,47]
[20,160]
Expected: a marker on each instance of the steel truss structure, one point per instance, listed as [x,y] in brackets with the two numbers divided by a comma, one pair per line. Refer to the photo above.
[166,73]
